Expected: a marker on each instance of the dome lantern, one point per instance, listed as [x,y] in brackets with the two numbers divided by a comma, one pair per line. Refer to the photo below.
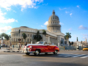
[53,12]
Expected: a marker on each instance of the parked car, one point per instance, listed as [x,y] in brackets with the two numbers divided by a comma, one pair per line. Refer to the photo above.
[85,48]
[40,47]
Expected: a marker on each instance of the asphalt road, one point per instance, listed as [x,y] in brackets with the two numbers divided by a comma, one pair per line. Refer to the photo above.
[63,58]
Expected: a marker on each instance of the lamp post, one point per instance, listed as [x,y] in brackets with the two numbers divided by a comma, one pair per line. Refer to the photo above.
[19,36]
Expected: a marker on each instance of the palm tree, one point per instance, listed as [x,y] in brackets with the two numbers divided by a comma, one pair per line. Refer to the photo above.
[67,36]
[7,38]
[37,37]
[24,36]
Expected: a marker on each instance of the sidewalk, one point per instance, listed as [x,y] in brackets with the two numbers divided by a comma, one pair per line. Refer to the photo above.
[10,50]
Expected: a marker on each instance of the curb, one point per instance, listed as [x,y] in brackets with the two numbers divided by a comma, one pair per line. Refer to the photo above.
[70,50]
[12,51]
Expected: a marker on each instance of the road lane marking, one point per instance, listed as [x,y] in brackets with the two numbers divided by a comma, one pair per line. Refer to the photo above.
[84,56]
[73,55]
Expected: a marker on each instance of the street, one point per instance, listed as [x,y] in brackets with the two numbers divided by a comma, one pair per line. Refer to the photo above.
[63,58]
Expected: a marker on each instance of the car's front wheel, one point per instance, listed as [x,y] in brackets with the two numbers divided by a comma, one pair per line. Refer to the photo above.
[37,52]
[55,52]
[46,53]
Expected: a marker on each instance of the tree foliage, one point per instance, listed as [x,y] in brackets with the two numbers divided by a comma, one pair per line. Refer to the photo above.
[67,36]
[24,36]
[37,37]
[44,32]
[3,35]
[6,37]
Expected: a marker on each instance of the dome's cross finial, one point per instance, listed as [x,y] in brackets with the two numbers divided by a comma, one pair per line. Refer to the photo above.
[53,12]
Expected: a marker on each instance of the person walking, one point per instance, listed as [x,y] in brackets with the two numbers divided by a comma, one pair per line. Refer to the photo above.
[0,46]
[13,46]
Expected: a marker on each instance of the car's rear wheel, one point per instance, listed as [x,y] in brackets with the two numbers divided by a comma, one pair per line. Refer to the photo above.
[37,52]
[46,53]
[27,53]
[55,52]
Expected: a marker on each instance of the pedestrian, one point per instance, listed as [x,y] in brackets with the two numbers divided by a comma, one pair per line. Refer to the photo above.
[13,46]
[19,47]
[0,46]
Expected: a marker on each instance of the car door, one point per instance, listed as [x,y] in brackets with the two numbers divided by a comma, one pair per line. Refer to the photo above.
[51,48]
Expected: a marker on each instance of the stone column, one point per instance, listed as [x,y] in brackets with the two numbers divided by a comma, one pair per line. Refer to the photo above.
[43,36]
[1,41]
[49,39]
[58,40]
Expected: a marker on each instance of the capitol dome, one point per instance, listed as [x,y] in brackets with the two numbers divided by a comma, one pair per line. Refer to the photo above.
[53,16]
[53,23]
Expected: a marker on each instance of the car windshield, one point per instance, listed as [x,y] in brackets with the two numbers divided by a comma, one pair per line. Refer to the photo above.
[40,42]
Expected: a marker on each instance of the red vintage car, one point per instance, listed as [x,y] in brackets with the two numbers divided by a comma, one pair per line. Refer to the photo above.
[40,47]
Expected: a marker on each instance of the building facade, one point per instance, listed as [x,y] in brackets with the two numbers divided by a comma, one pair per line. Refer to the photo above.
[53,33]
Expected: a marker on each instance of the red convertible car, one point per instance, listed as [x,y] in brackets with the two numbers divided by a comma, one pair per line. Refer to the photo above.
[40,47]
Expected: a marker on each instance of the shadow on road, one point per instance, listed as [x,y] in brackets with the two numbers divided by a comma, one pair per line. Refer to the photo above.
[58,55]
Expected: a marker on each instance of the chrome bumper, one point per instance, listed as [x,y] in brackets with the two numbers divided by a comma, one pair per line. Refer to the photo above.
[26,50]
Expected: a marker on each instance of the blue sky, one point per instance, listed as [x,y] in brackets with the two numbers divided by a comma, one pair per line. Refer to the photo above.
[73,15]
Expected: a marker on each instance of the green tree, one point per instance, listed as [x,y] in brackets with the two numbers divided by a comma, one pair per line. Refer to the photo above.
[3,35]
[7,38]
[72,43]
[37,37]
[44,32]
[67,36]
[24,36]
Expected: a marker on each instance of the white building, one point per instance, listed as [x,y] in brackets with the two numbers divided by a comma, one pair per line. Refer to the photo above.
[53,31]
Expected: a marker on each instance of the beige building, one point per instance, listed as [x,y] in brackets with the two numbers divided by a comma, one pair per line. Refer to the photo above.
[53,31]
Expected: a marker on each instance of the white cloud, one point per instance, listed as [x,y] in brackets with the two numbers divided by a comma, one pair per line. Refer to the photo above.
[14,11]
[61,23]
[66,12]
[77,6]
[42,26]
[23,3]
[3,20]
[85,34]
[70,14]
[82,27]
[70,29]
[46,23]
[5,29]
[62,8]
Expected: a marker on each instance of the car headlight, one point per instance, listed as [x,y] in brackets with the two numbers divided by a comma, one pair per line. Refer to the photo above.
[30,46]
